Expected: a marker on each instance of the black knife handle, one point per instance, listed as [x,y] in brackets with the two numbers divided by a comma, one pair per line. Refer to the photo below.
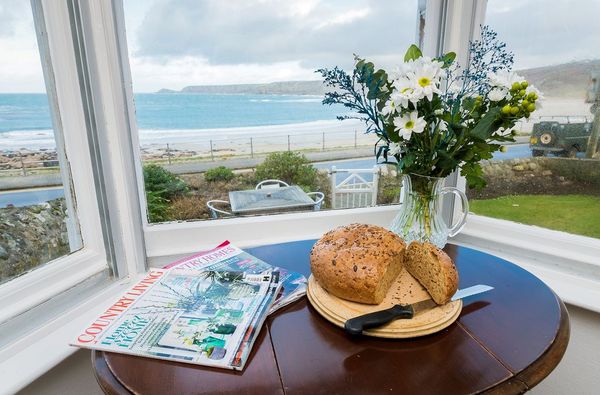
[356,325]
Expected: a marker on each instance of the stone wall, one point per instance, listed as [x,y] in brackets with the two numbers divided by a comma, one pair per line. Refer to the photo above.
[534,176]
[31,236]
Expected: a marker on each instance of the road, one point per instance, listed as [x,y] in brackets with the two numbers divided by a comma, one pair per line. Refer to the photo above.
[39,195]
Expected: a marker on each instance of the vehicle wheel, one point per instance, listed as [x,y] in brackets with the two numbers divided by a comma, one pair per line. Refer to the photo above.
[572,152]
[547,138]
[537,152]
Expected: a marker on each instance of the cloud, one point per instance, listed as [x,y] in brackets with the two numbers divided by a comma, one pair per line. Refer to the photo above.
[20,68]
[176,73]
[321,33]
[544,33]
[11,14]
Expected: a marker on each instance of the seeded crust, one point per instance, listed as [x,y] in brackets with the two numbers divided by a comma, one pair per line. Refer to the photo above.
[434,269]
[358,262]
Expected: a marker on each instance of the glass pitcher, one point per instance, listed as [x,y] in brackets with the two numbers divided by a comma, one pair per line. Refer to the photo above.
[420,217]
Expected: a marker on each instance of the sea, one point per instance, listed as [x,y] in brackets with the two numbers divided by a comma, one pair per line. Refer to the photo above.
[25,121]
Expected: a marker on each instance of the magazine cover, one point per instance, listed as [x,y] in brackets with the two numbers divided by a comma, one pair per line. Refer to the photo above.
[203,317]
[227,257]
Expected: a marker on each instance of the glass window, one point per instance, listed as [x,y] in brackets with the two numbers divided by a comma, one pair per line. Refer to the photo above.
[227,96]
[36,214]
[551,177]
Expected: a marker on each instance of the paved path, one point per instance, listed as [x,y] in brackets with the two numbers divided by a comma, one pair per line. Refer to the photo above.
[346,159]
[246,163]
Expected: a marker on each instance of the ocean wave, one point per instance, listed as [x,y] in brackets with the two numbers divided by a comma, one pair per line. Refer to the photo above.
[14,140]
[311,100]
[44,139]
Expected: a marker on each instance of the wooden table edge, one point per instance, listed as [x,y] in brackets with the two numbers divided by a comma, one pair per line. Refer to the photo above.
[533,374]
[106,379]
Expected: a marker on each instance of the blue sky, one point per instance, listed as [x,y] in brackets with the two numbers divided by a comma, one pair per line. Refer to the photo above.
[174,43]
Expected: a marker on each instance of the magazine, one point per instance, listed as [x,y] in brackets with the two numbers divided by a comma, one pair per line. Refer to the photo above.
[227,257]
[203,317]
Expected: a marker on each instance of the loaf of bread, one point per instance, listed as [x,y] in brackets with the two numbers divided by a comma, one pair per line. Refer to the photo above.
[358,262]
[434,269]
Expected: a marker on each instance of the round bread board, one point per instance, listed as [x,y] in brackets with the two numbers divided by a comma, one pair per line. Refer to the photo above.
[404,290]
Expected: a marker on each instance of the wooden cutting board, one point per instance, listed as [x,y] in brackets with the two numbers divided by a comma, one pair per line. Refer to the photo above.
[405,290]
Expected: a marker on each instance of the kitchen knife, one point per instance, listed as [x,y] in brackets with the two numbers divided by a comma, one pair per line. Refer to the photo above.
[356,325]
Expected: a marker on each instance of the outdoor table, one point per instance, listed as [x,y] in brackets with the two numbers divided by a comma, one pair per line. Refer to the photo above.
[504,342]
[256,201]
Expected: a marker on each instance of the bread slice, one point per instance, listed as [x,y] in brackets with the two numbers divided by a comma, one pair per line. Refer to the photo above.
[434,269]
[358,262]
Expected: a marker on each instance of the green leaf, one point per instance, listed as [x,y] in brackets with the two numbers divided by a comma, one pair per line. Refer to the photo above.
[408,159]
[445,161]
[448,59]
[412,53]
[483,129]
[391,132]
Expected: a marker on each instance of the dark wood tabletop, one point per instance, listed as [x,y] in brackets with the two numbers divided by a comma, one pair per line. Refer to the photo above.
[505,341]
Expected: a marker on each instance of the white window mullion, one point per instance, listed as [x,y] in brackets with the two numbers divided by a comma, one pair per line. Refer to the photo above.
[116,144]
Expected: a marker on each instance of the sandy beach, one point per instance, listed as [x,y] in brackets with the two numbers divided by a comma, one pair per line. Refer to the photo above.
[36,149]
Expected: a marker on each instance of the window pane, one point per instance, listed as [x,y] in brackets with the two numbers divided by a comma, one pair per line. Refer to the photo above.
[220,86]
[547,178]
[35,224]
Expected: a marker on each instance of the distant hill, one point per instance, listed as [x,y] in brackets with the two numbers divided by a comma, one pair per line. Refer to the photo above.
[273,88]
[564,80]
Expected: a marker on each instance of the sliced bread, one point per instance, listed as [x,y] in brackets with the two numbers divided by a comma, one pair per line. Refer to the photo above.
[434,269]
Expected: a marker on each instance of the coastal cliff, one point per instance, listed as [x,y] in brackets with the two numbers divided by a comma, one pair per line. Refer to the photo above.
[273,88]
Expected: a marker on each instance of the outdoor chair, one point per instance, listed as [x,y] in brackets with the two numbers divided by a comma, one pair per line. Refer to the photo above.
[358,189]
[214,211]
[271,184]
[318,198]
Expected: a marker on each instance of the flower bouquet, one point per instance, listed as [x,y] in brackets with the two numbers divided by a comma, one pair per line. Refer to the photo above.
[433,117]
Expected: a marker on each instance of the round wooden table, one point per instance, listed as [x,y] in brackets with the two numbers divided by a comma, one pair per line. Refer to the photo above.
[505,341]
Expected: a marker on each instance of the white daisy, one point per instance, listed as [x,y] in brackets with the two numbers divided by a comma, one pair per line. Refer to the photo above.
[395,149]
[405,92]
[497,94]
[408,124]
[395,103]
[443,125]
[425,77]
[504,79]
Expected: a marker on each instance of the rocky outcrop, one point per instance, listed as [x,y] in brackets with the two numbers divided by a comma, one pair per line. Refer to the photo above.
[31,236]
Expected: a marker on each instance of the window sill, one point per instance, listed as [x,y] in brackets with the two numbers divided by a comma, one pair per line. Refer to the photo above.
[39,351]
[47,281]
[568,263]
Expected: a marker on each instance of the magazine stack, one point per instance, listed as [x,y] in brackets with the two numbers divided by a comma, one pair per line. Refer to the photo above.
[206,309]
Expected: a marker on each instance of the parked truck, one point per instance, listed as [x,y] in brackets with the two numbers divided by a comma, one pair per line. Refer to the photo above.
[564,139]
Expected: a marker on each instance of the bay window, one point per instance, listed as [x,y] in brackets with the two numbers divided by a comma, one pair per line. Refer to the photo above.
[110,71]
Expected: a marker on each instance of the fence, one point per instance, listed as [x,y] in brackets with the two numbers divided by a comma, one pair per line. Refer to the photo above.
[22,165]
[214,148]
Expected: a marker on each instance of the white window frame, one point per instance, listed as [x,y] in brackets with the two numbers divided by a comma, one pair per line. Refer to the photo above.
[68,291]
[24,292]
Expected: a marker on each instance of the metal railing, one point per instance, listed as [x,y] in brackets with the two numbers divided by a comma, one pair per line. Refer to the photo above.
[218,148]
[210,148]
[215,148]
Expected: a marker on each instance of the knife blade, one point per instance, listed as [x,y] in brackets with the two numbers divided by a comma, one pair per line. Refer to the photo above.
[356,325]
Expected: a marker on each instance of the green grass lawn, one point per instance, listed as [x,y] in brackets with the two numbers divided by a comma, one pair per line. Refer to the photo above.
[579,214]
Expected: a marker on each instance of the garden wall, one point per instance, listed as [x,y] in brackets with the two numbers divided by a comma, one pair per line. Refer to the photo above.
[32,235]
[548,176]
